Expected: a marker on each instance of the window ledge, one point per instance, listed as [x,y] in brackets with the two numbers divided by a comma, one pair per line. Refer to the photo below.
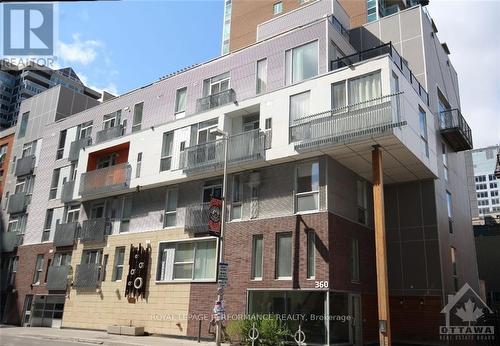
[284,279]
[187,281]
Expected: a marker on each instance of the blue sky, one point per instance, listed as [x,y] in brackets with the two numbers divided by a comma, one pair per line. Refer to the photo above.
[120,46]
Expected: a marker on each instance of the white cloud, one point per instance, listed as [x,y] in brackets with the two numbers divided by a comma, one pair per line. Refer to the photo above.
[78,51]
[470,28]
[110,87]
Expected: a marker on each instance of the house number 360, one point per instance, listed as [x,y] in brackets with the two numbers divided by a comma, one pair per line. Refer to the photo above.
[321,284]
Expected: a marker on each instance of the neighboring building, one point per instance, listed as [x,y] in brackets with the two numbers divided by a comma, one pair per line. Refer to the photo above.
[302,120]
[245,21]
[486,186]
[20,83]
[6,143]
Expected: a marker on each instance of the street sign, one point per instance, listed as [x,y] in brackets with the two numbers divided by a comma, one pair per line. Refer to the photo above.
[222,275]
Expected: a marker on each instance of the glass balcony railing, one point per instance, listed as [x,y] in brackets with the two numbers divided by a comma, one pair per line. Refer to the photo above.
[109,133]
[18,203]
[347,123]
[76,146]
[67,191]
[388,49]
[246,146]
[105,180]
[25,165]
[10,241]
[215,100]
[57,278]
[455,130]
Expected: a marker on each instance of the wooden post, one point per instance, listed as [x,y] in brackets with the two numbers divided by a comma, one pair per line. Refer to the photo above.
[380,248]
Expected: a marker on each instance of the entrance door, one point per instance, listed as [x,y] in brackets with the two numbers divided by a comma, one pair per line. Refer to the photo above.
[355,322]
[28,300]
[47,311]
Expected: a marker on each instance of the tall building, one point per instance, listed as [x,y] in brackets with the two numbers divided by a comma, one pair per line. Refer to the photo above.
[6,142]
[302,110]
[20,83]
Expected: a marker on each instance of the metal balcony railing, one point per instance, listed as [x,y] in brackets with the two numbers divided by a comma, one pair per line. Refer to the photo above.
[109,133]
[215,100]
[94,230]
[196,219]
[105,180]
[388,49]
[87,276]
[57,278]
[10,241]
[455,130]
[246,146]
[25,165]
[347,123]
[17,203]
[65,234]
[76,146]
[67,191]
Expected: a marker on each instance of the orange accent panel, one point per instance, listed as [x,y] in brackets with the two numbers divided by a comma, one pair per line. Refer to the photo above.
[120,150]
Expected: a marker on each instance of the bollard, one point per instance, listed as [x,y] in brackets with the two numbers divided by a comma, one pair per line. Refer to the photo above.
[199,331]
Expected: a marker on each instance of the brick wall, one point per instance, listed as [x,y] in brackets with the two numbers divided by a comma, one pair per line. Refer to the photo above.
[4,166]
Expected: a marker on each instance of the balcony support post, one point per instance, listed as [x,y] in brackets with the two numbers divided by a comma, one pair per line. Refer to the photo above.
[380,249]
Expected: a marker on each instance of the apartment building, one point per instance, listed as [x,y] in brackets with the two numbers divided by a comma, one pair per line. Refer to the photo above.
[18,83]
[303,108]
[6,142]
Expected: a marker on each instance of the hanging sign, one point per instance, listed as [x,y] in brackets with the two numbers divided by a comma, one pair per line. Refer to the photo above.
[214,217]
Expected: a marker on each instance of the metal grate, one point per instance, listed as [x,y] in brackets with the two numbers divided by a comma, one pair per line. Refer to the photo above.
[93,230]
[17,203]
[10,240]
[57,278]
[25,165]
[65,234]
[87,276]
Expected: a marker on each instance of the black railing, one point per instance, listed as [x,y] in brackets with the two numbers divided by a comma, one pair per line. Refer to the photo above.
[455,129]
[340,28]
[388,49]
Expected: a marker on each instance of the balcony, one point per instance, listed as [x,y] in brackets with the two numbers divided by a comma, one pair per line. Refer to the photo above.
[57,278]
[246,146]
[17,203]
[215,100]
[105,180]
[455,130]
[109,133]
[76,146]
[395,57]
[25,165]
[94,230]
[67,191]
[347,123]
[65,234]
[10,241]
[87,276]
[196,220]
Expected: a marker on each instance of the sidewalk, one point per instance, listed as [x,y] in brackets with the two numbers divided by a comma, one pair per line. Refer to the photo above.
[45,335]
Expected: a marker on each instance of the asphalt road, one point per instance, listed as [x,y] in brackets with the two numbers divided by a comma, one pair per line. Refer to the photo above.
[10,340]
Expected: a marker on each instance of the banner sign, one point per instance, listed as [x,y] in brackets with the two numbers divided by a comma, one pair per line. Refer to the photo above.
[214,216]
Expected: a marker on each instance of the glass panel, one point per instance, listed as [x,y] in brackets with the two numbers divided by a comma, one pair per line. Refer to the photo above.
[204,265]
[184,252]
[299,106]
[307,202]
[170,220]
[136,126]
[261,76]
[365,88]
[180,100]
[339,306]
[338,95]
[172,200]
[305,62]
[284,256]
[183,271]
[308,177]
[311,254]
[257,256]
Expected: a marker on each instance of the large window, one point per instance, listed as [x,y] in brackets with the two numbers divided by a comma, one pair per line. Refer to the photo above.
[118,265]
[261,76]
[127,208]
[137,121]
[62,259]
[187,260]
[170,219]
[111,120]
[307,187]
[423,131]
[365,88]
[257,256]
[166,151]
[24,125]
[299,105]
[301,62]
[180,100]
[54,183]
[61,144]
[38,270]
[212,189]
[72,213]
[85,130]
[284,255]
[449,208]
[47,225]
[216,84]
[311,254]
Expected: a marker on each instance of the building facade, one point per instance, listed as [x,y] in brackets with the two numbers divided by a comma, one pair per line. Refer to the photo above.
[6,142]
[18,83]
[303,108]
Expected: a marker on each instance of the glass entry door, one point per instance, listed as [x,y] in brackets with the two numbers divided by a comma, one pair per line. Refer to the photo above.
[47,311]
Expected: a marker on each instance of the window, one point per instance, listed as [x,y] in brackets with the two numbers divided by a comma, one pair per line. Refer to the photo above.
[211,189]
[311,254]
[170,219]
[62,259]
[118,266]
[38,269]
[494,193]
[423,131]
[205,133]
[450,211]
[365,88]
[62,143]
[495,201]
[299,106]
[127,208]
[443,107]
[91,256]
[54,184]
[180,100]
[106,161]
[217,84]
[338,95]
[261,76]
[307,187]
[138,165]
[72,213]
[301,63]
[362,202]
[454,270]
[85,130]
[257,256]
[25,185]
[236,206]
[166,151]
[97,211]
[445,161]
[490,176]
[187,260]
[3,153]
[47,225]
[277,8]
[493,185]
[24,125]
[137,121]
[29,149]
[354,260]
[284,255]
[17,224]
[103,267]
[111,120]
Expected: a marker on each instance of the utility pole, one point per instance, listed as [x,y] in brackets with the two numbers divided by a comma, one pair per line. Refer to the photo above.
[380,248]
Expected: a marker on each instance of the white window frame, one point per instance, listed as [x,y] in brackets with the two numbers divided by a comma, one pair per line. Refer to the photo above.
[71,210]
[237,203]
[445,161]
[307,193]
[137,126]
[277,8]
[111,118]
[289,64]
[362,205]
[166,157]
[116,265]
[83,128]
[259,89]
[277,256]
[37,275]
[170,212]
[178,109]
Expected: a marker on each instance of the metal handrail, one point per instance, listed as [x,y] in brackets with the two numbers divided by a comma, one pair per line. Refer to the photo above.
[453,119]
